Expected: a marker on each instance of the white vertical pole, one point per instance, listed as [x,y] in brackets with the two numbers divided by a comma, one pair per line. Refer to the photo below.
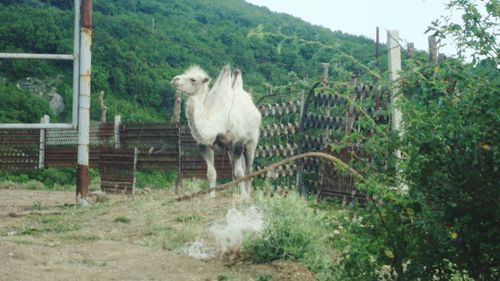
[394,56]
[76,62]
[118,120]
[394,69]
[41,152]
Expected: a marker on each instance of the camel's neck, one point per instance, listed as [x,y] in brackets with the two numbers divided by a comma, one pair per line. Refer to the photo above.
[202,121]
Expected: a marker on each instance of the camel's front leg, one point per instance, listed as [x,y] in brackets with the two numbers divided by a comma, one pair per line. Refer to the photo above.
[239,166]
[207,152]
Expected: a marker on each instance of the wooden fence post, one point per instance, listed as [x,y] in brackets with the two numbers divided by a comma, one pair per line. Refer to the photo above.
[134,170]
[176,116]
[179,160]
[377,48]
[324,78]
[104,108]
[433,50]
[411,50]
[41,152]
[118,120]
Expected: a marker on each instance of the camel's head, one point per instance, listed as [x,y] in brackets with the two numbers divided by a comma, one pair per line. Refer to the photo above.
[192,81]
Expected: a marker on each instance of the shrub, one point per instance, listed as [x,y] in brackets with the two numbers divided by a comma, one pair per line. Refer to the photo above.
[294,231]
[444,224]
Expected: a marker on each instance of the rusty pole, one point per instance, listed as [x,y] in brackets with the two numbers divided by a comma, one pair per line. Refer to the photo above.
[82,174]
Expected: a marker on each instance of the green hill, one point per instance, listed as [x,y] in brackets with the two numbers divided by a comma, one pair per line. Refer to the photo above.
[139,45]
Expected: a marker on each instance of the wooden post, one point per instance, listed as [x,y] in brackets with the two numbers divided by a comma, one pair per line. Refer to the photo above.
[441,58]
[118,120]
[411,49]
[394,69]
[176,116]
[134,170]
[433,50]
[302,101]
[41,152]
[104,109]
[325,73]
[179,160]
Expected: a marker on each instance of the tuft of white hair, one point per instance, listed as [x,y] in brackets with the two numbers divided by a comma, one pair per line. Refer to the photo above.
[197,250]
[230,233]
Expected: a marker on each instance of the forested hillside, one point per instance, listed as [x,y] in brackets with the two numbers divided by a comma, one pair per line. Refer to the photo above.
[139,45]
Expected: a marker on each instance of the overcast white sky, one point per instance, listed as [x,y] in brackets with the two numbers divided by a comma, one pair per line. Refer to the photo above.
[361,17]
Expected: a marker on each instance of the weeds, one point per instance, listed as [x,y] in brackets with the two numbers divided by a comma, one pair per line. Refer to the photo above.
[122,219]
[294,231]
[264,277]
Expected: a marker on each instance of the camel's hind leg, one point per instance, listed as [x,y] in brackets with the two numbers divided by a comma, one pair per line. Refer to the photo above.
[207,152]
[249,157]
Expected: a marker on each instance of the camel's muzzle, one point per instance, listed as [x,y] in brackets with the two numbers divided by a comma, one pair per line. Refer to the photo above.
[175,81]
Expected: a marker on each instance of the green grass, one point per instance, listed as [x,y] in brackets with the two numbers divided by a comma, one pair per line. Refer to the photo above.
[122,219]
[189,218]
[155,179]
[263,277]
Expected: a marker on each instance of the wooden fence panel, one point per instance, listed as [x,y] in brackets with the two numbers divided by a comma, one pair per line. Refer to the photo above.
[100,135]
[278,140]
[117,168]
[19,149]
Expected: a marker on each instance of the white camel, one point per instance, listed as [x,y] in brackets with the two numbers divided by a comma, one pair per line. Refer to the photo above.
[223,115]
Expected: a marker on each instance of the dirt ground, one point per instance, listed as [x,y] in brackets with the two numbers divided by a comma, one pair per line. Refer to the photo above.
[44,236]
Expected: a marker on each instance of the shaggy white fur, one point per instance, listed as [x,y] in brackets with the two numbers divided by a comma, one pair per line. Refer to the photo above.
[230,233]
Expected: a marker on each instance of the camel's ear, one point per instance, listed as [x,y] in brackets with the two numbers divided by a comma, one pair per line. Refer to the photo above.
[206,80]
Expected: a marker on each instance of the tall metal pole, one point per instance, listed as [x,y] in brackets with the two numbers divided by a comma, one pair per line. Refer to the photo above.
[76,62]
[377,48]
[82,175]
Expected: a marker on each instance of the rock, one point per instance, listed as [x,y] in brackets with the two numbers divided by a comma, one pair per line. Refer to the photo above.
[44,90]
[56,101]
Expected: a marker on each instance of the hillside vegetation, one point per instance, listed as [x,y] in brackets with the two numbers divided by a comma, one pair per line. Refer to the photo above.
[139,45]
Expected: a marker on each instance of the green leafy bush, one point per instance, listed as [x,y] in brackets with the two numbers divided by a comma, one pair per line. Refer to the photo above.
[436,220]
[294,231]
